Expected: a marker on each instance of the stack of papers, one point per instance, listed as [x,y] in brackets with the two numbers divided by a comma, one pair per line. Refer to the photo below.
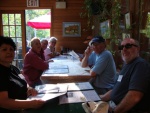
[79,96]
[51,88]
[49,91]
[79,92]
[45,97]
[74,55]
[78,86]
[67,92]
[57,69]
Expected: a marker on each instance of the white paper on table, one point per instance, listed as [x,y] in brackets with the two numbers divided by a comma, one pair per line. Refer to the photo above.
[56,71]
[74,54]
[78,86]
[57,66]
[46,96]
[79,96]
[51,88]
[60,57]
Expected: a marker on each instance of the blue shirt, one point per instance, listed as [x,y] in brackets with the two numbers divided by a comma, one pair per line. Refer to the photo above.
[105,69]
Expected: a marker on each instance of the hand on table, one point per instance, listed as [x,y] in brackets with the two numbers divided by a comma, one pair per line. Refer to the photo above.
[31,92]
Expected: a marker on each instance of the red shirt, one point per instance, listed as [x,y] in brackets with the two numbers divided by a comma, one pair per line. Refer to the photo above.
[34,66]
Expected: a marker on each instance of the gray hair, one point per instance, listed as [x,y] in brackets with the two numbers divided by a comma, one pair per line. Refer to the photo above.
[52,39]
[134,40]
[33,40]
[43,39]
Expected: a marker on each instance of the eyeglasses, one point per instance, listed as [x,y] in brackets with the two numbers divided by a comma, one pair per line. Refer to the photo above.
[127,46]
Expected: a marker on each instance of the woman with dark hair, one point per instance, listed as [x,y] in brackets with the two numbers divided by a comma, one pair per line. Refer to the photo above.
[13,89]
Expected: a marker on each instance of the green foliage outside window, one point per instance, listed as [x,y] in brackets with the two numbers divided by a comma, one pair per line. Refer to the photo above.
[40,33]
[146,31]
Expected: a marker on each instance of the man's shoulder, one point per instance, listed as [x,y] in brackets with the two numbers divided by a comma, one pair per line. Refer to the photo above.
[140,60]
[140,64]
[107,54]
[30,54]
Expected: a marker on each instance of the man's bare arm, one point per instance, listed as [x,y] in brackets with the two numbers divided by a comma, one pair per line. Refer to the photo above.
[84,62]
[106,96]
[130,100]
[87,53]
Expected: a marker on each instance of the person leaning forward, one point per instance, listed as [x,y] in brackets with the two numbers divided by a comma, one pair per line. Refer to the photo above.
[103,69]
[131,92]
[34,63]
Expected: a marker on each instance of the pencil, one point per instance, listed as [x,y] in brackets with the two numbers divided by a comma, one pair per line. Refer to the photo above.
[67,91]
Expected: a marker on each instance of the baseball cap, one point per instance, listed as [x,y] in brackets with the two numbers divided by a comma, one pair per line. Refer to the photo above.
[98,39]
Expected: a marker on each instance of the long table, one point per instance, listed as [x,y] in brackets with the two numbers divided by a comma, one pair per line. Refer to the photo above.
[68,104]
[53,107]
[75,72]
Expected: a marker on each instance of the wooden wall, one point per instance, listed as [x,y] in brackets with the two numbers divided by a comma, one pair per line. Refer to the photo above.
[138,10]
[70,14]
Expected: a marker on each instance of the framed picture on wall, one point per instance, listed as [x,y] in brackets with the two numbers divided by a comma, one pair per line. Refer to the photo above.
[71,29]
[105,28]
[128,20]
[125,35]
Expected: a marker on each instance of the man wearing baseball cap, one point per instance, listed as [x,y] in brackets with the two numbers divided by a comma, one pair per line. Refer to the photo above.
[103,69]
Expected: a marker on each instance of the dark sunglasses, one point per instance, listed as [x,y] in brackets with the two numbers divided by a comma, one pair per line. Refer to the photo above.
[127,46]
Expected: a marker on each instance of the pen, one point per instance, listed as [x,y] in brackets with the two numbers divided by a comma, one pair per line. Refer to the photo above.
[67,91]
[67,95]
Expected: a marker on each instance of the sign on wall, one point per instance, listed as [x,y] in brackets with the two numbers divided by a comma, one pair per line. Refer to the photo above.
[32,3]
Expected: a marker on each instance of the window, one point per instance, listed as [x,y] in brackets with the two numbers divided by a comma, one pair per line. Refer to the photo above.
[12,27]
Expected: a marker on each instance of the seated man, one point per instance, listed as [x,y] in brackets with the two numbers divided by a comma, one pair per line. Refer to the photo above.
[131,92]
[103,69]
[34,63]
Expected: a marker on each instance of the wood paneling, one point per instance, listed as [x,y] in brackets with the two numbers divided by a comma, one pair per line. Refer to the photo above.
[70,14]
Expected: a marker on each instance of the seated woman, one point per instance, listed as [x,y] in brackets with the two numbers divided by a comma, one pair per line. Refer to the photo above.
[13,89]
[34,63]
[50,52]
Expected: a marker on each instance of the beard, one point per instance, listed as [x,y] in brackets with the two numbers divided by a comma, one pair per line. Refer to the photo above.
[130,58]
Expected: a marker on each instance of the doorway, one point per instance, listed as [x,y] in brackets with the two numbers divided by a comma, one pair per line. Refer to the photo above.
[14,25]
[34,31]
[38,23]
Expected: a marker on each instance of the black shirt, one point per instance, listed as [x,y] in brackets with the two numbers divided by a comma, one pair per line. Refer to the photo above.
[13,84]
[133,76]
